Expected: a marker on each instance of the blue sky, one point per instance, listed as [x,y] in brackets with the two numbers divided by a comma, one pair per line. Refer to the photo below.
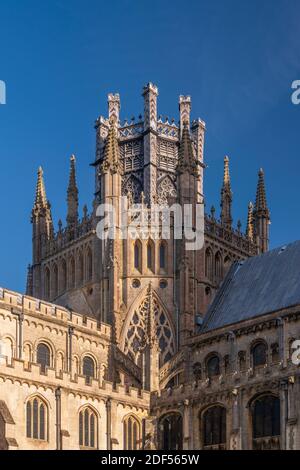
[59,59]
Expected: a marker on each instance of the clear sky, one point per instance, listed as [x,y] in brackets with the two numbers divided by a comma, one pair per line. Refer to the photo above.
[59,59]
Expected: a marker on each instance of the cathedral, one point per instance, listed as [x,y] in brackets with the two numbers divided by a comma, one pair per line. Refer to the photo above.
[141,343]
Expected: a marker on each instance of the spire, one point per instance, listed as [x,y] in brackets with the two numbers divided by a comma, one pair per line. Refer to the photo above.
[111,158]
[261,215]
[261,201]
[226,196]
[187,161]
[250,228]
[40,193]
[72,194]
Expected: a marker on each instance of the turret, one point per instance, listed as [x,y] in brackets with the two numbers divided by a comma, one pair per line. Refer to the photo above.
[226,196]
[261,215]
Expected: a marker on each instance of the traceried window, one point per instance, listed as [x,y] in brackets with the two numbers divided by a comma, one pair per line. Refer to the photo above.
[36,419]
[88,428]
[131,433]
[213,366]
[47,284]
[54,280]
[72,273]
[136,333]
[63,275]
[214,427]
[80,268]
[43,356]
[88,368]
[266,422]
[259,354]
[218,267]
[170,427]
[89,265]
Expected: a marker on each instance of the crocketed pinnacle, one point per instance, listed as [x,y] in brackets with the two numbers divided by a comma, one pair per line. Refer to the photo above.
[40,193]
[72,194]
[250,226]
[111,153]
[187,161]
[226,195]
[261,201]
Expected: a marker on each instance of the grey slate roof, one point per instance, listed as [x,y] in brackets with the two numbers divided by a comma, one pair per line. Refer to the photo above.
[257,286]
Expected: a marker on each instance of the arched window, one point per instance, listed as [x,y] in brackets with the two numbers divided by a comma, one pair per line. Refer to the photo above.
[259,354]
[63,275]
[138,255]
[162,255]
[170,427]
[213,366]
[266,422]
[208,263]
[218,267]
[214,427]
[72,273]
[47,284]
[43,356]
[89,265]
[54,281]
[80,268]
[150,255]
[131,433]
[36,419]
[275,352]
[88,428]
[88,368]
[242,360]
[227,263]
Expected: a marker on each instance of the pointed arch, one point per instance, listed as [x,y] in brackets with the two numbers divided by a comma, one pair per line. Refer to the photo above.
[131,432]
[163,255]
[63,276]
[89,264]
[134,331]
[218,267]
[71,276]
[47,283]
[80,267]
[151,255]
[54,281]
[137,255]
[166,189]
[208,263]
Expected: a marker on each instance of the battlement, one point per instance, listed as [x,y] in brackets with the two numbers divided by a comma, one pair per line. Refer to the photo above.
[18,303]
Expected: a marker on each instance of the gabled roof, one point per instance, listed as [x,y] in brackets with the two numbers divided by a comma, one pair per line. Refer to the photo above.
[257,286]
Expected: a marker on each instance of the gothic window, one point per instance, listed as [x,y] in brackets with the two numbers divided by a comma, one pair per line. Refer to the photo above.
[266,421]
[54,281]
[259,354]
[218,267]
[36,419]
[138,255]
[136,333]
[208,263]
[88,368]
[150,255]
[170,427]
[132,187]
[43,356]
[165,190]
[47,284]
[80,268]
[213,366]
[63,274]
[162,255]
[72,273]
[89,265]
[214,427]
[88,428]
[242,360]
[131,433]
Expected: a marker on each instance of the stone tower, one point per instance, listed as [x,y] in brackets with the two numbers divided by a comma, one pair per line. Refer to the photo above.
[151,289]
